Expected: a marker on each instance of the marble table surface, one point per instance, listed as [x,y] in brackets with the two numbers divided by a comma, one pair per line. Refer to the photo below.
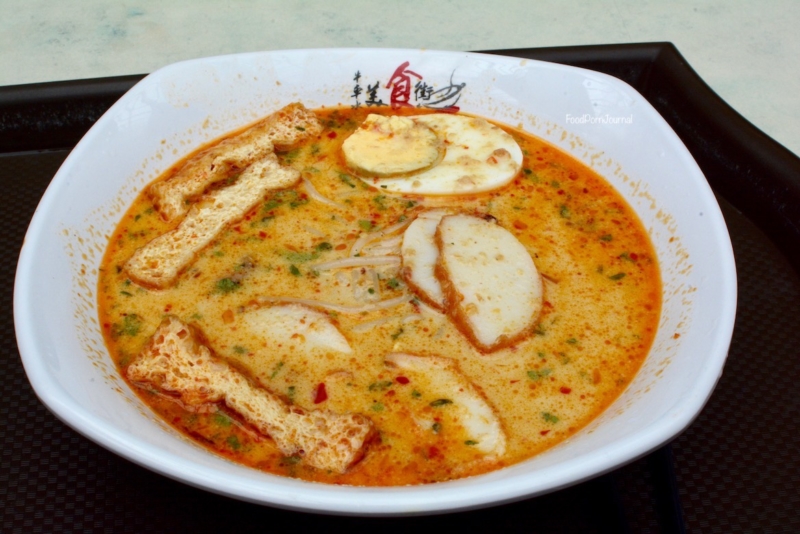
[748,52]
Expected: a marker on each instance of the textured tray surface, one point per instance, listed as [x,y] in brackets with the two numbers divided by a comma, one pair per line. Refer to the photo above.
[736,468]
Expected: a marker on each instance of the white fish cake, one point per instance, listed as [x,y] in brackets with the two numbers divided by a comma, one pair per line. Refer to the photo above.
[442,377]
[493,291]
[420,254]
[294,324]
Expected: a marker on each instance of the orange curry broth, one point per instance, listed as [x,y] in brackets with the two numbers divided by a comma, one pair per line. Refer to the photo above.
[602,298]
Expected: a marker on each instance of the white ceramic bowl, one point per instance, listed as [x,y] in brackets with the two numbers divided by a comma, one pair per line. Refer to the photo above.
[597,118]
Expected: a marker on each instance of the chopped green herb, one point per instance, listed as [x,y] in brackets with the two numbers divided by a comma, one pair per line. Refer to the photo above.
[290,392]
[227,285]
[416,394]
[233,443]
[379,201]
[436,427]
[346,179]
[618,276]
[539,330]
[324,246]
[222,420]
[606,237]
[470,442]
[366,225]
[565,213]
[532,176]
[276,370]
[555,184]
[300,128]
[238,349]
[294,270]
[398,333]
[393,283]
[626,257]
[131,325]
[377,407]
[538,374]
[291,460]
[549,418]
[440,402]
[380,386]
[411,204]
[572,341]
[127,294]
[371,291]
[300,257]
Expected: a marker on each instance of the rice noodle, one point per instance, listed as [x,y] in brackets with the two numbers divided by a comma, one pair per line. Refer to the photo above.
[361,261]
[313,193]
[341,308]
[369,325]
[384,246]
[365,239]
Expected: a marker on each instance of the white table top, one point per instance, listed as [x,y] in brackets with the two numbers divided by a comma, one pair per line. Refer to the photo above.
[748,52]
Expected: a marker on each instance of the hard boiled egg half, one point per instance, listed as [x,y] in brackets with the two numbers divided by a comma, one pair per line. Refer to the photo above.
[437,154]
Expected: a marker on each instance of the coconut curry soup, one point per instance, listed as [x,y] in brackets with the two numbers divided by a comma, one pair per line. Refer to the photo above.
[381,298]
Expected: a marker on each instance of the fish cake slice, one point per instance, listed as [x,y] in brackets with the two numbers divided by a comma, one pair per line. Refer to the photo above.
[492,289]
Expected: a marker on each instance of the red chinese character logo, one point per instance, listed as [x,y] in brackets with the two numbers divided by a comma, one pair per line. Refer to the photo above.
[400,84]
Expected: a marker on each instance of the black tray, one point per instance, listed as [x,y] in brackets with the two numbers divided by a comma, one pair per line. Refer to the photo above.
[735,469]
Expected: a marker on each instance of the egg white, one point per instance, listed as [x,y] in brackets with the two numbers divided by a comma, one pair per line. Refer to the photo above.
[478,157]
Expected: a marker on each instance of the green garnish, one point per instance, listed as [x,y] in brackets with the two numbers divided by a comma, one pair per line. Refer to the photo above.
[380,386]
[549,418]
[131,325]
[226,285]
[276,370]
[294,270]
[222,420]
[537,375]
[618,276]
[346,179]
[233,443]
[440,402]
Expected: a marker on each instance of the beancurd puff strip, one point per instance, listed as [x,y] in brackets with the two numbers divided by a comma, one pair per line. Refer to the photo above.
[159,262]
[283,130]
[177,363]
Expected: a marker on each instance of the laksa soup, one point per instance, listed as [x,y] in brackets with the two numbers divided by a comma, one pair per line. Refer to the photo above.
[378,297]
